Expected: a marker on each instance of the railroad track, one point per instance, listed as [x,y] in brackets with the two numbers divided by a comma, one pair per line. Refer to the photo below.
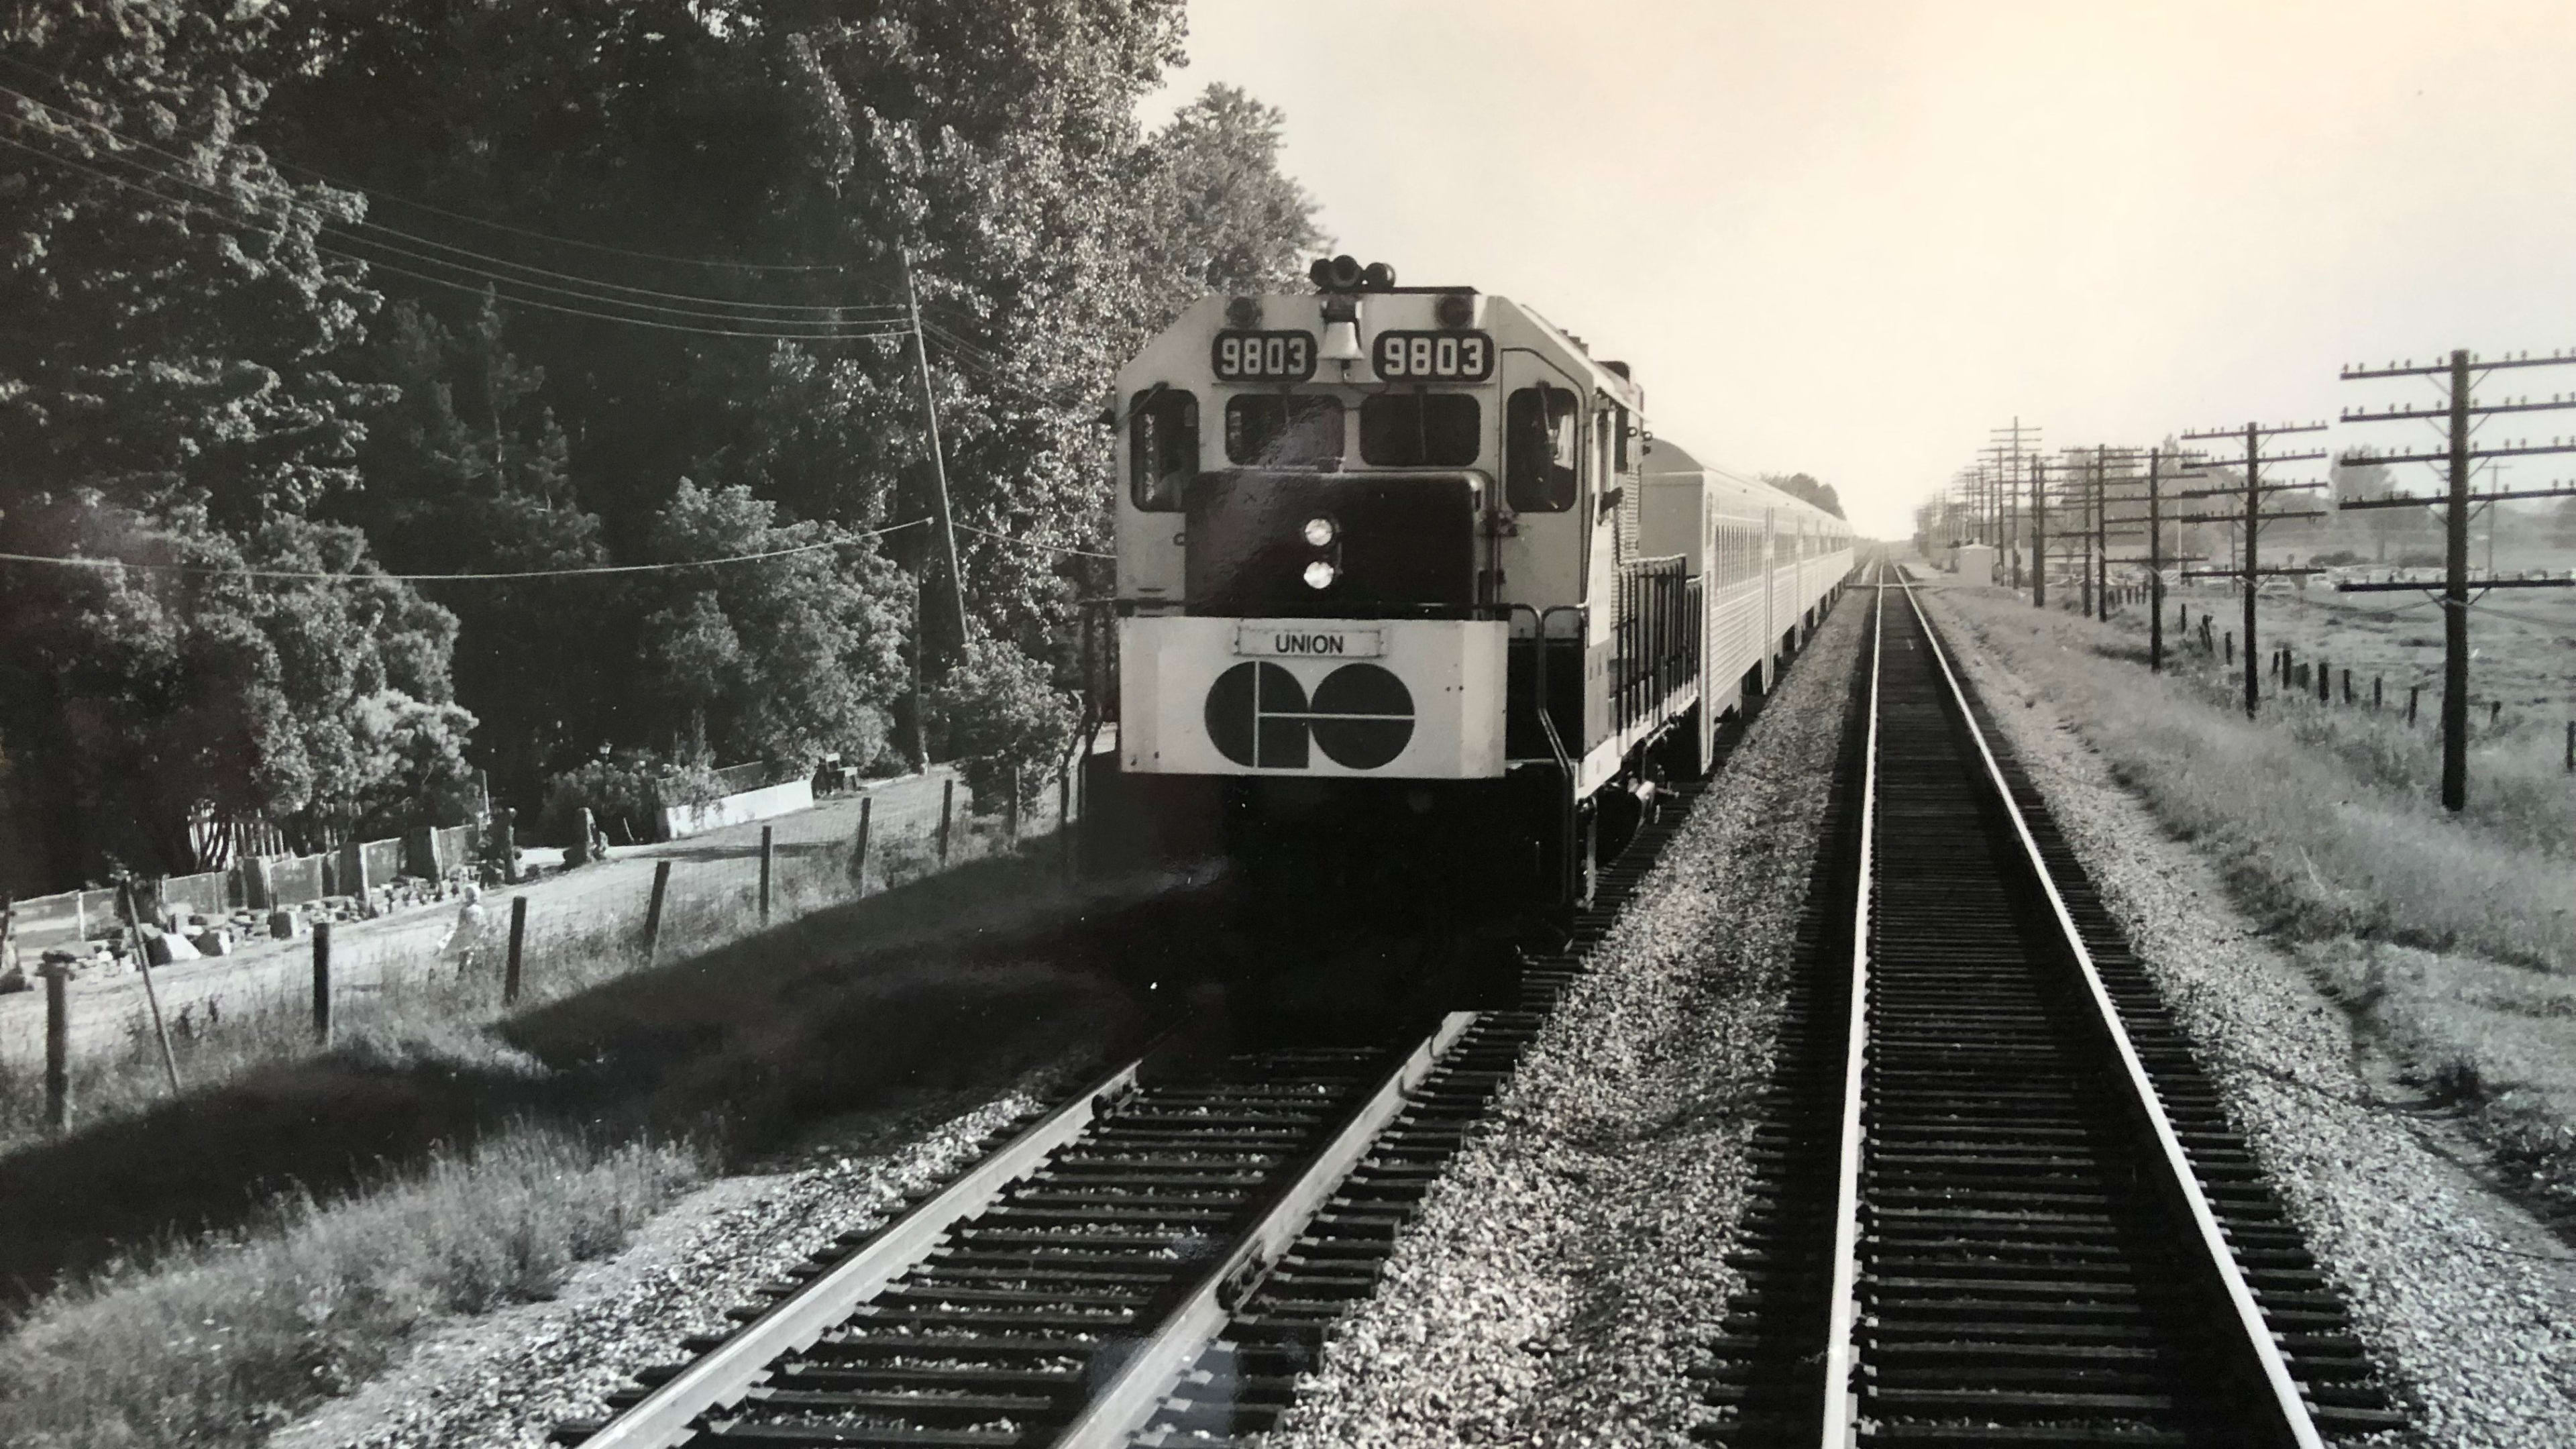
[1996,1201]
[1150,1262]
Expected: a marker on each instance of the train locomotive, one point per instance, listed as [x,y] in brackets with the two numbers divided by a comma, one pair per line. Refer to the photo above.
[1408,596]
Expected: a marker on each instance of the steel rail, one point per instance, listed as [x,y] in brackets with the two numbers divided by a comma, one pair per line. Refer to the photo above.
[1841,1410]
[1122,1404]
[2286,1410]
[734,1368]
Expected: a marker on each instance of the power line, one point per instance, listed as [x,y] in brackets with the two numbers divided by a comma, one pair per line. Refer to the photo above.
[488,222]
[1033,542]
[330,250]
[314,575]
[729,309]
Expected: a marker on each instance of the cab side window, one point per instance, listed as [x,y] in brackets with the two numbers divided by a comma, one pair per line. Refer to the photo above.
[1540,450]
[1162,447]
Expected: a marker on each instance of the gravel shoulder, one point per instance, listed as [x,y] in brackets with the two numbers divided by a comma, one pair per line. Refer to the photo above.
[2462,1295]
[1563,1276]
[504,1380]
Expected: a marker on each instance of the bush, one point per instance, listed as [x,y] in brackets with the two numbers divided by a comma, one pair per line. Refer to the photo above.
[995,711]
[630,786]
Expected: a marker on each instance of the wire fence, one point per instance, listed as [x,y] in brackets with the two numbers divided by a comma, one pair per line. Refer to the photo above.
[422,986]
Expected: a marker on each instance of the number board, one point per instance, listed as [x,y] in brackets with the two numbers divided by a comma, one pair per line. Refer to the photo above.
[1264,356]
[1435,356]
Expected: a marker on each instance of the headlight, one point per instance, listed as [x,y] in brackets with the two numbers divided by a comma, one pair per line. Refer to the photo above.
[1320,574]
[1319,532]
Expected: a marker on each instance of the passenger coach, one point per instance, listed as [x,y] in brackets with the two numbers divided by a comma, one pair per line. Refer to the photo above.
[1404,583]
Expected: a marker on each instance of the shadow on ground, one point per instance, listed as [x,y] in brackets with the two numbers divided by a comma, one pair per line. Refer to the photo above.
[950,987]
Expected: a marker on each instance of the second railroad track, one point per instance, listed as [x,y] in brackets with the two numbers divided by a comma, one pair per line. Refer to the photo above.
[1996,1201]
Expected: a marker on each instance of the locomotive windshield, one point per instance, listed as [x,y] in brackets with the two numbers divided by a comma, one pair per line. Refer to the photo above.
[1271,430]
[1420,429]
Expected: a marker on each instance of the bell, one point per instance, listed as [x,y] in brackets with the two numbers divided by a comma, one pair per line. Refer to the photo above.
[1341,341]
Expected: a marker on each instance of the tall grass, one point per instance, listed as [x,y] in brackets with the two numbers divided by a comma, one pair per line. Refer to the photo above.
[219,1342]
[2326,843]
[2517,783]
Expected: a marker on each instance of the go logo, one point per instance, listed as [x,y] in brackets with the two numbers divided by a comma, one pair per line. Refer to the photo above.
[1361,716]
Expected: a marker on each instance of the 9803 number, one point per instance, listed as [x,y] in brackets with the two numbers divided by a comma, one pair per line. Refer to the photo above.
[1265,356]
[1435,356]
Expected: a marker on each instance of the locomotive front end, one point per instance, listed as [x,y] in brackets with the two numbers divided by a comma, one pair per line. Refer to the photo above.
[1305,561]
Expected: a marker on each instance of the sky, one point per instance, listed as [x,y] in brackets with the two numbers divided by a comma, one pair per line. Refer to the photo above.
[1853,238]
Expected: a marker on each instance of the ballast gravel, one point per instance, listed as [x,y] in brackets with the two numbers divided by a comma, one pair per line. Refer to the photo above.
[503,1381]
[1567,1271]
[2467,1300]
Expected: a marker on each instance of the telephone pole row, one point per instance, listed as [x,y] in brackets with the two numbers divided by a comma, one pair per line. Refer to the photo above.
[2456,507]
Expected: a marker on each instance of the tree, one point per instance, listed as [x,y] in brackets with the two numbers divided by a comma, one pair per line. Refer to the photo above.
[783,659]
[993,142]
[1803,486]
[998,712]
[173,392]
[2353,481]
[173,322]
[466,470]
[138,701]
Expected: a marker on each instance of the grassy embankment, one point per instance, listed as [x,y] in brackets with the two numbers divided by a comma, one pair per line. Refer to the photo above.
[358,1196]
[2452,938]
[223,1340]
[415,1005]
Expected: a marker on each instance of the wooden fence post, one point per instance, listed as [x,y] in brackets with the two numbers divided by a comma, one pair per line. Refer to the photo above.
[2374,694]
[859,847]
[125,906]
[2347,686]
[1011,810]
[2495,712]
[653,908]
[1064,816]
[2231,648]
[947,807]
[518,949]
[2413,693]
[767,849]
[322,982]
[2571,746]
[58,1048]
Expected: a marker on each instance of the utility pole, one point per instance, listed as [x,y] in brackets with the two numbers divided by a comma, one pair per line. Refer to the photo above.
[2157,459]
[2088,483]
[2039,532]
[2251,523]
[938,462]
[2101,542]
[2457,506]
[2008,449]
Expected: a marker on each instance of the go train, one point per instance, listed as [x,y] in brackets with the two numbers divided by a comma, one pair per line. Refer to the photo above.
[1405,585]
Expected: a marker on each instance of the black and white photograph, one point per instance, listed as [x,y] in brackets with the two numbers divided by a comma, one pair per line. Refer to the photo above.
[1203,724]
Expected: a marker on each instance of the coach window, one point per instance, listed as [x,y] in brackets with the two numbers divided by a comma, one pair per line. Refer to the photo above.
[1274,430]
[1420,429]
[1624,430]
[1539,450]
[1162,446]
